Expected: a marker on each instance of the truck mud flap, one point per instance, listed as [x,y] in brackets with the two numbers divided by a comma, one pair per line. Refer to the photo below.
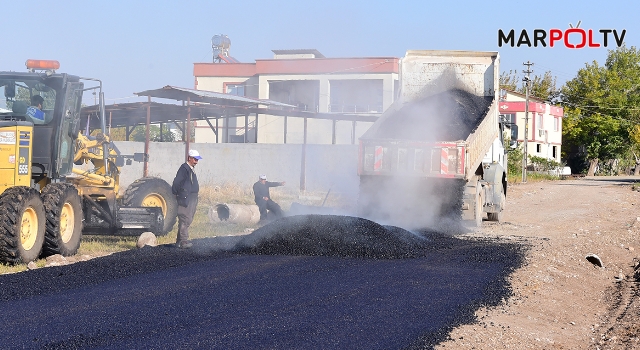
[472,204]
[495,190]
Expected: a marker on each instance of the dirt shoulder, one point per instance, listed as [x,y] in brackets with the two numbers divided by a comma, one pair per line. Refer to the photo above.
[561,300]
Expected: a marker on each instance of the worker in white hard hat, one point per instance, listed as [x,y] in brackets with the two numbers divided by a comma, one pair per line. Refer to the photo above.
[263,199]
[185,188]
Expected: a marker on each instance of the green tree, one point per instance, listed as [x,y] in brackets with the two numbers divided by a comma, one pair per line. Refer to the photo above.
[602,109]
[118,134]
[514,161]
[543,164]
[593,137]
[541,87]
[139,134]
[509,80]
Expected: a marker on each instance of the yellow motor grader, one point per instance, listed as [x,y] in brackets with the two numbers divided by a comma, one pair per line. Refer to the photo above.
[57,181]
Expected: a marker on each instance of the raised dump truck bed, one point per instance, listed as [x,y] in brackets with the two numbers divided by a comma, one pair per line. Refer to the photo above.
[445,124]
[444,121]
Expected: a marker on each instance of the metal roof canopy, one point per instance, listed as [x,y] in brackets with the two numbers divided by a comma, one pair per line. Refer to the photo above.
[218,105]
[184,94]
[209,105]
[134,114]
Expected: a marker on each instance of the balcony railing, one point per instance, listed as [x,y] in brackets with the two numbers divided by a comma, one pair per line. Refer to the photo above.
[307,108]
[347,108]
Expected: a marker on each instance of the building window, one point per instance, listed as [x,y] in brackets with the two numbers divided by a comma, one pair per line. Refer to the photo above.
[235,89]
[539,148]
[510,118]
[555,151]
[556,124]
[539,121]
[304,94]
[356,96]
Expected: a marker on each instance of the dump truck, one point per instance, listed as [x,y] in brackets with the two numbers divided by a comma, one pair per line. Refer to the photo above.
[438,152]
[59,180]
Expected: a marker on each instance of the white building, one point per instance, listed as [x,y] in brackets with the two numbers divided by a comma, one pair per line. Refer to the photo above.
[311,82]
[545,123]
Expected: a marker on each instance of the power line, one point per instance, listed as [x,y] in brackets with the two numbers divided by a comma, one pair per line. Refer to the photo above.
[596,112]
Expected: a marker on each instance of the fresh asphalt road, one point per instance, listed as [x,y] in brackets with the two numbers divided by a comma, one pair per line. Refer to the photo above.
[212,298]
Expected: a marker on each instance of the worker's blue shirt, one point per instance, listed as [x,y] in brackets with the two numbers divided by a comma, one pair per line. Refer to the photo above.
[35,114]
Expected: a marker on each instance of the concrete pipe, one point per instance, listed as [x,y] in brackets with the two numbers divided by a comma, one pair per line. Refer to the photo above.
[236,213]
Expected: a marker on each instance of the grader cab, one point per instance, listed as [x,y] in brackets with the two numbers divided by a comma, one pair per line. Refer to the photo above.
[58,181]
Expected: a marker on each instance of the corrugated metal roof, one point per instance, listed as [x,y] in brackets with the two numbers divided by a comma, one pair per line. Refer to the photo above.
[132,114]
[182,94]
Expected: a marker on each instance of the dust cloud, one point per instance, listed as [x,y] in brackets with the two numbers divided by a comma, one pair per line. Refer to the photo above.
[443,111]
[406,200]
[411,201]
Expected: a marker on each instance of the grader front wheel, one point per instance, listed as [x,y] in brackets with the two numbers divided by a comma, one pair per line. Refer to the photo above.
[64,219]
[22,225]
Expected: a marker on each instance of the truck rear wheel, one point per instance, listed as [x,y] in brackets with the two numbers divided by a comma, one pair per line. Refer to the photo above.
[153,192]
[498,216]
[22,225]
[64,219]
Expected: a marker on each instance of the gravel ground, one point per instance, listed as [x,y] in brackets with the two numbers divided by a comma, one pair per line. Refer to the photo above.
[335,282]
[315,281]
[561,300]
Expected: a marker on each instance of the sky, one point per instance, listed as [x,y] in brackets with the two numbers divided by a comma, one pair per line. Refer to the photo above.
[134,45]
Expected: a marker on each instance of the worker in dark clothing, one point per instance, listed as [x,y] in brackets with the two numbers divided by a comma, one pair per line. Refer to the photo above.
[185,188]
[263,200]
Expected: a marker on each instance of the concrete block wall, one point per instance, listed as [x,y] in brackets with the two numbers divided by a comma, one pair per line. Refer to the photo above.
[327,166]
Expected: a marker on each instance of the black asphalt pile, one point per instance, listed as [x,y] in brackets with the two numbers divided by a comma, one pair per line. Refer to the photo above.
[332,235]
[446,116]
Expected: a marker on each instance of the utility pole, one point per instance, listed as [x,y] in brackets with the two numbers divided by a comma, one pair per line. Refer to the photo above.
[525,154]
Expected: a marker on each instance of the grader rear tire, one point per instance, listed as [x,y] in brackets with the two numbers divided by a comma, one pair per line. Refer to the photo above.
[22,225]
[63,208]
[153,192]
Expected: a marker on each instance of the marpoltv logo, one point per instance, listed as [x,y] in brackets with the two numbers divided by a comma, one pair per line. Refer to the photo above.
[571,38]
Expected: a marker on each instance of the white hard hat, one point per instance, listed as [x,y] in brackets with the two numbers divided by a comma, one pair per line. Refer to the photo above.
[194,154]
[263,177]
